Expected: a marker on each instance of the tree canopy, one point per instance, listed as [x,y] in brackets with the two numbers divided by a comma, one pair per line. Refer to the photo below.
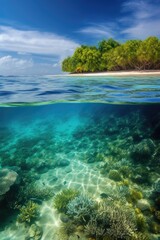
[111,55]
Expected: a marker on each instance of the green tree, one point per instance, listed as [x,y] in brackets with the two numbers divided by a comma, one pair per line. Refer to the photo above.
[91,59]
[130,54]
[106,45]
[67,64]
[110,55]
[149,53]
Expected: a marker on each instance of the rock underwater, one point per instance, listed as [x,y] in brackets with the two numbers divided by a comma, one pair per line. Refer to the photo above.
[7,179]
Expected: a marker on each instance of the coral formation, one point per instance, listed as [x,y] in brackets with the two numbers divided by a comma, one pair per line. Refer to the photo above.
[141,222]
[157,185]
[35,232]
[112,222]
[68,228]
[80,208]
[135,195]
[34,192]
[62,199]
[143,151]
[114,175]
[28,213]
[7,179]
[122,222]
[120,171]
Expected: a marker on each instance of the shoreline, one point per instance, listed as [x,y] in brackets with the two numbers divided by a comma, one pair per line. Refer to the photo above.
[118,73]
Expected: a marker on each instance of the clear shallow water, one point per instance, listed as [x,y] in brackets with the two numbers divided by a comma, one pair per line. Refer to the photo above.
[110,153]
[52,89]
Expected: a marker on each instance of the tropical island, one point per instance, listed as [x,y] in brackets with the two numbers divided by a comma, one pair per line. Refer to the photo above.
[111,55]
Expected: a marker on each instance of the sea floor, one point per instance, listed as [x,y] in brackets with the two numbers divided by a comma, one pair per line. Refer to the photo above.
[109,153]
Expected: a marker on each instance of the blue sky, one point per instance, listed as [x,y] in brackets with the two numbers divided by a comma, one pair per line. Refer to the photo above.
[35,35]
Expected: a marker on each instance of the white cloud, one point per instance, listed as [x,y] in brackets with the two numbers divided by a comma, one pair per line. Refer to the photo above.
[143,29]
[35,42]
[143,19]
[98,31]
[15,66]
[9,62]
[48,49]
[141,9]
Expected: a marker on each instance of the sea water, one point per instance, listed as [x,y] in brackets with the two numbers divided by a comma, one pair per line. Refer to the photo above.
[79,158]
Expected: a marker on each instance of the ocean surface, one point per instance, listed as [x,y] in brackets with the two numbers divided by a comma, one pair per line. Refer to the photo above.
[79,158]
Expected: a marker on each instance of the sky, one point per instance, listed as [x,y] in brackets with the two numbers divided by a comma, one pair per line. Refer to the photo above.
[36,35]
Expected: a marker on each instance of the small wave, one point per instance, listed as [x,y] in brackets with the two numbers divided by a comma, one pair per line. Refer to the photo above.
[6,93]
[32,90]
[29,90]
[58,92]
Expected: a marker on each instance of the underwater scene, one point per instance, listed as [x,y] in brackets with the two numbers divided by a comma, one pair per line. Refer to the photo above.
[81,163]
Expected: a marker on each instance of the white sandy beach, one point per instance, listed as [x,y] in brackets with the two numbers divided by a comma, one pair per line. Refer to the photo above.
[119,73]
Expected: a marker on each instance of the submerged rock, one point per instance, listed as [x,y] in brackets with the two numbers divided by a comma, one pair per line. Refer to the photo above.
[7,179]
[143,204]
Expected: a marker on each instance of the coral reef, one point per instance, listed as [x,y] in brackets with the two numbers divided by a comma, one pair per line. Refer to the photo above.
[135,195]
[141,222]
[142,152]
[68,228]
[34,192]
[62,199]
[122,222]
[117,164]
[114,175]
[28,213]
[157,185]
[111,222]
[81,208]
[35,232]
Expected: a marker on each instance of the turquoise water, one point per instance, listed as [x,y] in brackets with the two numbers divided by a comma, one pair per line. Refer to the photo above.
[79,158]
[53,89]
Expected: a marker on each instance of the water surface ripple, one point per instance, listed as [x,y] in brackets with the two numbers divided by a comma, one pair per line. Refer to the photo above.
[15,90]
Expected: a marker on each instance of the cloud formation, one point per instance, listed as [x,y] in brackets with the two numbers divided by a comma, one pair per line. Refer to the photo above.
[23,44]
[139,19]
[10,65]
[98,31]
[143,19]
[35,42]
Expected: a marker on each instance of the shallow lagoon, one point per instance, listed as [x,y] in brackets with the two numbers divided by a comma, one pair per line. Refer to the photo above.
[109,153]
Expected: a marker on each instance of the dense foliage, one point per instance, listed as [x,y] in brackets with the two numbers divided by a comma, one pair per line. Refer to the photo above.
[111,55]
